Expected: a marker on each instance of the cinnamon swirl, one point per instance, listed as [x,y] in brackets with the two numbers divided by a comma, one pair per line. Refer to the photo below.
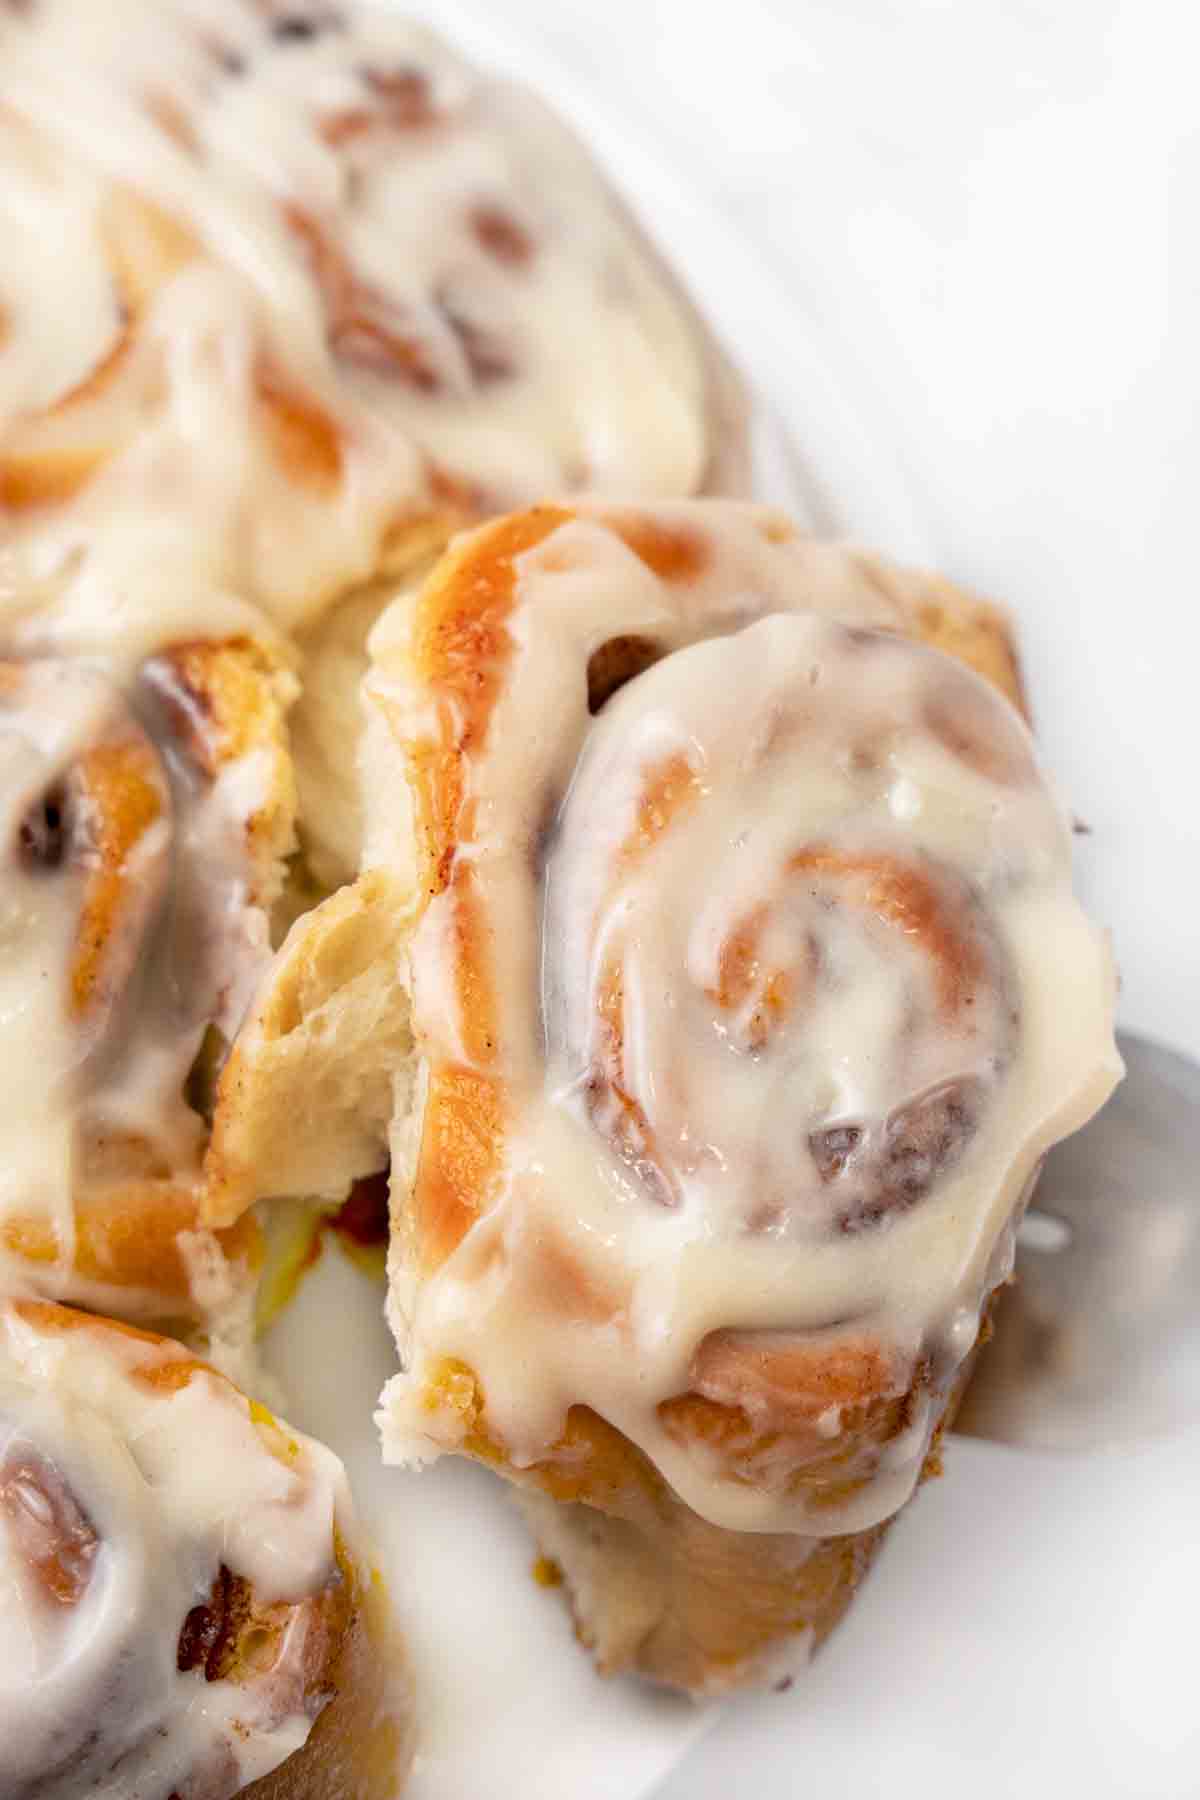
[186,1611]
[747,991]
[145,824]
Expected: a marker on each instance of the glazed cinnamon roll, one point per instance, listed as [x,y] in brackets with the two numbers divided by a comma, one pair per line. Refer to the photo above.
[145,825]
[186,1609]
[747,991]
[334,294]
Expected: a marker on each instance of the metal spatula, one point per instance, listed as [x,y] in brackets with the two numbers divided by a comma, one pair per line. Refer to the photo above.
[1099,1341]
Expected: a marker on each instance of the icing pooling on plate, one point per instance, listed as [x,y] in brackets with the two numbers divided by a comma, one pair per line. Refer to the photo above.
[757,995]
[316,238]
[130,1477]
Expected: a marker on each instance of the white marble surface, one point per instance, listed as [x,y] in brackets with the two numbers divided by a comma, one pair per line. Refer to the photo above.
[982,220]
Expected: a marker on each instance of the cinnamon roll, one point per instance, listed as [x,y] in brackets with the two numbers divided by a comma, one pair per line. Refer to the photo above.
[717,978]
[334,294]
[145,824]
[186,1609]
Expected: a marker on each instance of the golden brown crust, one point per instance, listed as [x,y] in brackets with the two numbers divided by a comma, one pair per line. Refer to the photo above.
[222,698]
[361,1745]
[735,1376]
[461,646]
[689,1606]
[230,698]
[656,1589]
[121,790]
[948,618]
[131,1236]
[659,1592]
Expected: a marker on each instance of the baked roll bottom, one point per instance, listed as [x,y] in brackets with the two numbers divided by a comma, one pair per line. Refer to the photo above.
[661,1593]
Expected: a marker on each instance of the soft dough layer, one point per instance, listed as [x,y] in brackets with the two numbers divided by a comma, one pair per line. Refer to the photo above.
[733,928]
[657,1590]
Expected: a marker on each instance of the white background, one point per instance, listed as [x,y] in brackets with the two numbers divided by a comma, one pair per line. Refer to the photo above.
[982,219]
[970,203]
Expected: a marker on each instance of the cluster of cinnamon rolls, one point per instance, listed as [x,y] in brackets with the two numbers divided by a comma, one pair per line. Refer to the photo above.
[671,902]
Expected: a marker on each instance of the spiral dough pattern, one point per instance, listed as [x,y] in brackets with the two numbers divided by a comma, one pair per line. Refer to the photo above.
[751,991]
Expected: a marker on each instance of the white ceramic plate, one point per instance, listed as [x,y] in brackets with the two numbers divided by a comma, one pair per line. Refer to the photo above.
[1027,1629]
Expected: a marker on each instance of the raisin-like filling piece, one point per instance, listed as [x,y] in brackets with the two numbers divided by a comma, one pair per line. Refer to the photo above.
[210,1632]
[48,1526]
[42,837]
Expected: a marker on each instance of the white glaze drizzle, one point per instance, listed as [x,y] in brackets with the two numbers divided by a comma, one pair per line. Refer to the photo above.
[162,1483]
[799,736]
